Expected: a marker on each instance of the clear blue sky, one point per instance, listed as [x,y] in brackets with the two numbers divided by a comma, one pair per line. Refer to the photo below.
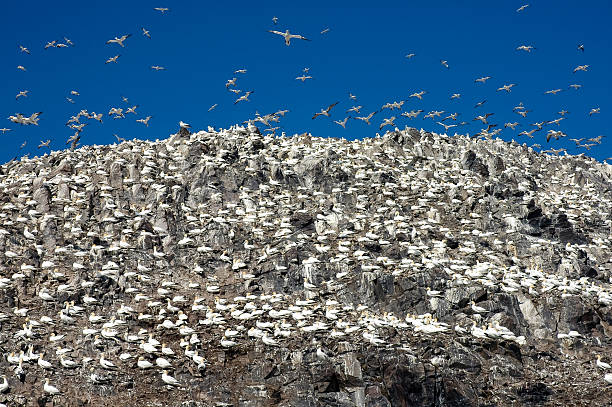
[201,43]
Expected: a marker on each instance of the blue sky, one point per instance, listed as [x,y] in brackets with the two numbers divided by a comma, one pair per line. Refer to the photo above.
[202,43]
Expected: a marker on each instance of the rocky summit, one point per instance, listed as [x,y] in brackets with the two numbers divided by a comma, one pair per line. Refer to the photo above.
[229,268]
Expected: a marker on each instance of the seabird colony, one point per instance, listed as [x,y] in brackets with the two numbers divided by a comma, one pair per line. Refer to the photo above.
[168,266]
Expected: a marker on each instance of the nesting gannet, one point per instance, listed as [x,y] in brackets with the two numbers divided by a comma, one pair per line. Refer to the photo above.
[166,378]
[601,364]
[288,36]
[119,40]
[52,390]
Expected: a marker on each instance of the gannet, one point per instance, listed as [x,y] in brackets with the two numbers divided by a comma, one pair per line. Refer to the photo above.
[325,112]
[594,111]
[146,32]
[169,379]
[581,68]
[119,40]
[23,93]
[4,386]
[288,36]
[158,68]
[245,97]
[24,49]
[342,122]
[601,364]
[303,78]
[112,59]
[49,388]
[161,9]
[444,63]
[145,121]
[507,88]
[523,7]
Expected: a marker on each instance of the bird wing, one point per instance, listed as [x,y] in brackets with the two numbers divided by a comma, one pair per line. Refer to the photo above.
[276,32]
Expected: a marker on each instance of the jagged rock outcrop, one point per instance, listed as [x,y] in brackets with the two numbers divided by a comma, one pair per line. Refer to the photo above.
[405,270]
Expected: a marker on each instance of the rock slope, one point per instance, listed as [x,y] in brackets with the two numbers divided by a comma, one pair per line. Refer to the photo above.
[405,270]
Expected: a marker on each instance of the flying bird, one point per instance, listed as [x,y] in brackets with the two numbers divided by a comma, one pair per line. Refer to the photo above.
[480,104]
[212,107]
[552,92]
[387,122]
[44,143]
[240,70]
[355,109]
[245,97]
[507,88]
[161,9]
[325,112]
[303,78]
[523,7]
[511,125]
[594,111]
[581,68]
[275,20]
[158,68]
[20,67]
[112,59]
[483,118]
[146,32]
[575,86]
[444,63]
[410,56]
[342,122]
[23,93]
[418,95]
[4,130]
[288,36]
[119,40]
[483,79]
[50,44]
[145,121]
[366,118]
[24,49]
[581,47]
[527,48]
[325,31]
[455,96]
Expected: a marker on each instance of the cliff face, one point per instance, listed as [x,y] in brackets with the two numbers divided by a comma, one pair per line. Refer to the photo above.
[413,269]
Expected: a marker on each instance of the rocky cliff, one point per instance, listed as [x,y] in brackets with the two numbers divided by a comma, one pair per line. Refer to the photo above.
[230,268]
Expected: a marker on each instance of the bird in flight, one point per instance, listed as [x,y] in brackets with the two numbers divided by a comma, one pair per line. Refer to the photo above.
[523,7]
[44,143]
[4,130]
[507,88]
[145,121]
[594,111]
[342,122]
[410,56]
[352,97]
[455,96]
[325,112]
[212,107]
[527,48]
[418,95]
[303,78]
[480,104]
[581,47]
[158,68]
[24,120]
[355,109]
[552,92]
[446,126]
[483,79]
[444,63]
[575,86]
[24,49]
[240,70]
[366,118]
[288,36]
[119,40]
[387,122]
[581,68]
[275,20]
[23,93]
[511,125]
[483,119]
[325,31]
[231,82]
[245,97]
[21,68]
[146,32]
[161,9]
[50,44]
[112,59]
